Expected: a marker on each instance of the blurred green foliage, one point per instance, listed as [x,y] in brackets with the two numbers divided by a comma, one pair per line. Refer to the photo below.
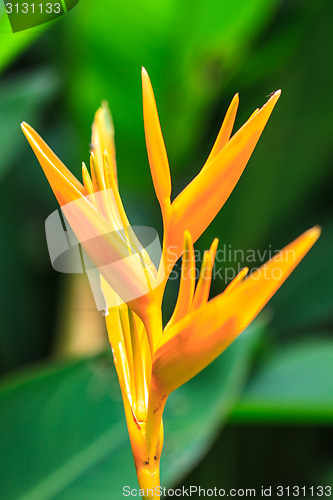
[12,44]
[294,382]
[74,443]
[62,428]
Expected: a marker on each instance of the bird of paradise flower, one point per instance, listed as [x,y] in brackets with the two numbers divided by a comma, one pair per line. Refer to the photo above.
[152,361]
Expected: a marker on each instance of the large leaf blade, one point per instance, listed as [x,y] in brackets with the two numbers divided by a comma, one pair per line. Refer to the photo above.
[64,432]
[294,385]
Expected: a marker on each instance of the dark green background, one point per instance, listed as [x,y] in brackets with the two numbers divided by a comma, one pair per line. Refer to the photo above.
[267,403]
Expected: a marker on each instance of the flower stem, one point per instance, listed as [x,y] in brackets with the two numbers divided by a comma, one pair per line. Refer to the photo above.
[154,426]
[149,481]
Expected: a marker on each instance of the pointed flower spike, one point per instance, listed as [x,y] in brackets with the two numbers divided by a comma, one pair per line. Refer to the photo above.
[102,138]
[63,183]
[226,129]
[210,189]
[102,199]
[140,409]
[238,279]
[134,400]
[195,341]
[117,341]
[203,287]
[157,155]
[145,349]
[254,113]
[213,248]
[117,209]
[187,282]
[107,249]
[254,292]
[119,214]
[114,329]
[87,182]
[115,201]
[128,346]
[125,328]
[202,290]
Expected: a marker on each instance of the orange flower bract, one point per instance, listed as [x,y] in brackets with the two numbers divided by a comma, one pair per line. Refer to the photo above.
[152,361]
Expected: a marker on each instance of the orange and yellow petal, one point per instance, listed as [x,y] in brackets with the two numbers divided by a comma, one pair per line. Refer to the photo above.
[237,279]
[157,154]
[64,184]
[197,205]
[226,129]
[187,282]
[102,139]
[195,341]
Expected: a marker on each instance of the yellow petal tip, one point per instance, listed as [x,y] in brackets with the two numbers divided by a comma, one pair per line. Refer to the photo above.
[25,128]
[273,98]
[313,233]
[275,95]
[187,240]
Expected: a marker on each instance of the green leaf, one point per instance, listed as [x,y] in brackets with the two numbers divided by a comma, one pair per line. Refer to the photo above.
[305,301]
[12,44]
[188,49]
[60,426]
[64,432]
[291,164]
[294,385]
[21,98]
